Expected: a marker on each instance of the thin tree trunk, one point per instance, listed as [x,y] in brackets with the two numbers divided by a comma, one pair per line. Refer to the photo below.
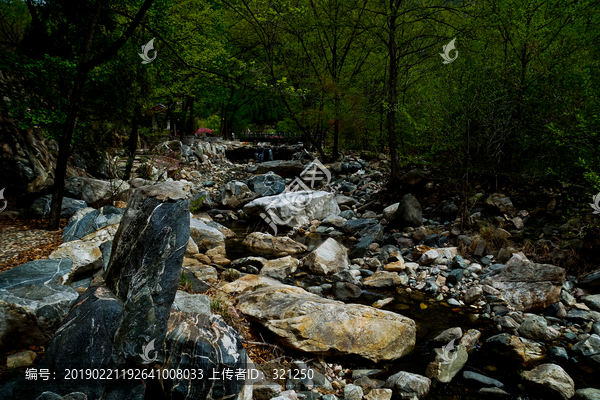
[392,93]
[132,143]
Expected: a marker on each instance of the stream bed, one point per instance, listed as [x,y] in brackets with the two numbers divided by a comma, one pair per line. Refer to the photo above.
[431,318]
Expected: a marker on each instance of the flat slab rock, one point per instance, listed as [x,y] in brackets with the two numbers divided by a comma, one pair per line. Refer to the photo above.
[317,325]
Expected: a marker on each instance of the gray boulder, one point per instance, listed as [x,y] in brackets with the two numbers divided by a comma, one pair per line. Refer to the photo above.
[408,385]
[519,349]
[409,211]
[553,378]
[94,192]
[233,194]
[209,345]
[41,206]
[328,258]
[447,364]
[294,209]
[279,268]
[527,286]
[205,237]
[192,303]
[145,265]
[363,227]
[587,394]
[88,220]
[269,184]
[263,243]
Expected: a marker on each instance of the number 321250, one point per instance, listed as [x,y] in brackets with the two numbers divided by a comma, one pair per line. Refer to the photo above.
[293,373]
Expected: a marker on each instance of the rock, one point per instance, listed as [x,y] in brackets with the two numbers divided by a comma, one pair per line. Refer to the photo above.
[209,345]
[89,220]
[408,386]
[470,338]
[86,340]
[192,303]
[269,184]
[591,280]
[396,266]
[334,220]
[280,268]
[552,377]
[379,394]
[353,392]
[382,302]
[86,256]
[383,279]
[249,283]
[41,206]
[313,324]
[266,392]
[95,192]
[228,233]
[286,169]
[503,203]
[592,301]
[20,359]
[409,212]
[429,256]
[293,209]
[474,376]
[205,237]
[363,227]
[233,194]
[264,243]
[587,394]
[33,301]
[447,364]
[145,265]
[534,328]
[390,211]
[200,201]
[346,291]
[191,249]
[494,392]
[202,272]
[587,347]
[328,258]
[362,246]
[345,200]
[520,349]
[527,286]
[472,294]
[455,276]
[449,335]
[582,316]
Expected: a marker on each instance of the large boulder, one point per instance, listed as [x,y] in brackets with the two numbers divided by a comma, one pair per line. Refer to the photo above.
[307,322]
[197,342]
[293,209]
[145,265]
[269,184]
[88,220]
[33,301]
[552,378]
[205,237]
[279,268]
[264,243]
[328,258]
[94,192]
[527,286]
[41,206]
[447,363]
[286,169]
[409,211]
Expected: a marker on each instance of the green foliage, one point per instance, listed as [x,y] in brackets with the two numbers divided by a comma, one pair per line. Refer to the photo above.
[196,205]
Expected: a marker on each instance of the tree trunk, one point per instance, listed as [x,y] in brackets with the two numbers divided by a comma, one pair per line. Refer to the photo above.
[393,92]
[84,67]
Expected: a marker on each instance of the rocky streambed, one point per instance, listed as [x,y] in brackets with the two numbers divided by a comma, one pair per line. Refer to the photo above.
[374,302]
